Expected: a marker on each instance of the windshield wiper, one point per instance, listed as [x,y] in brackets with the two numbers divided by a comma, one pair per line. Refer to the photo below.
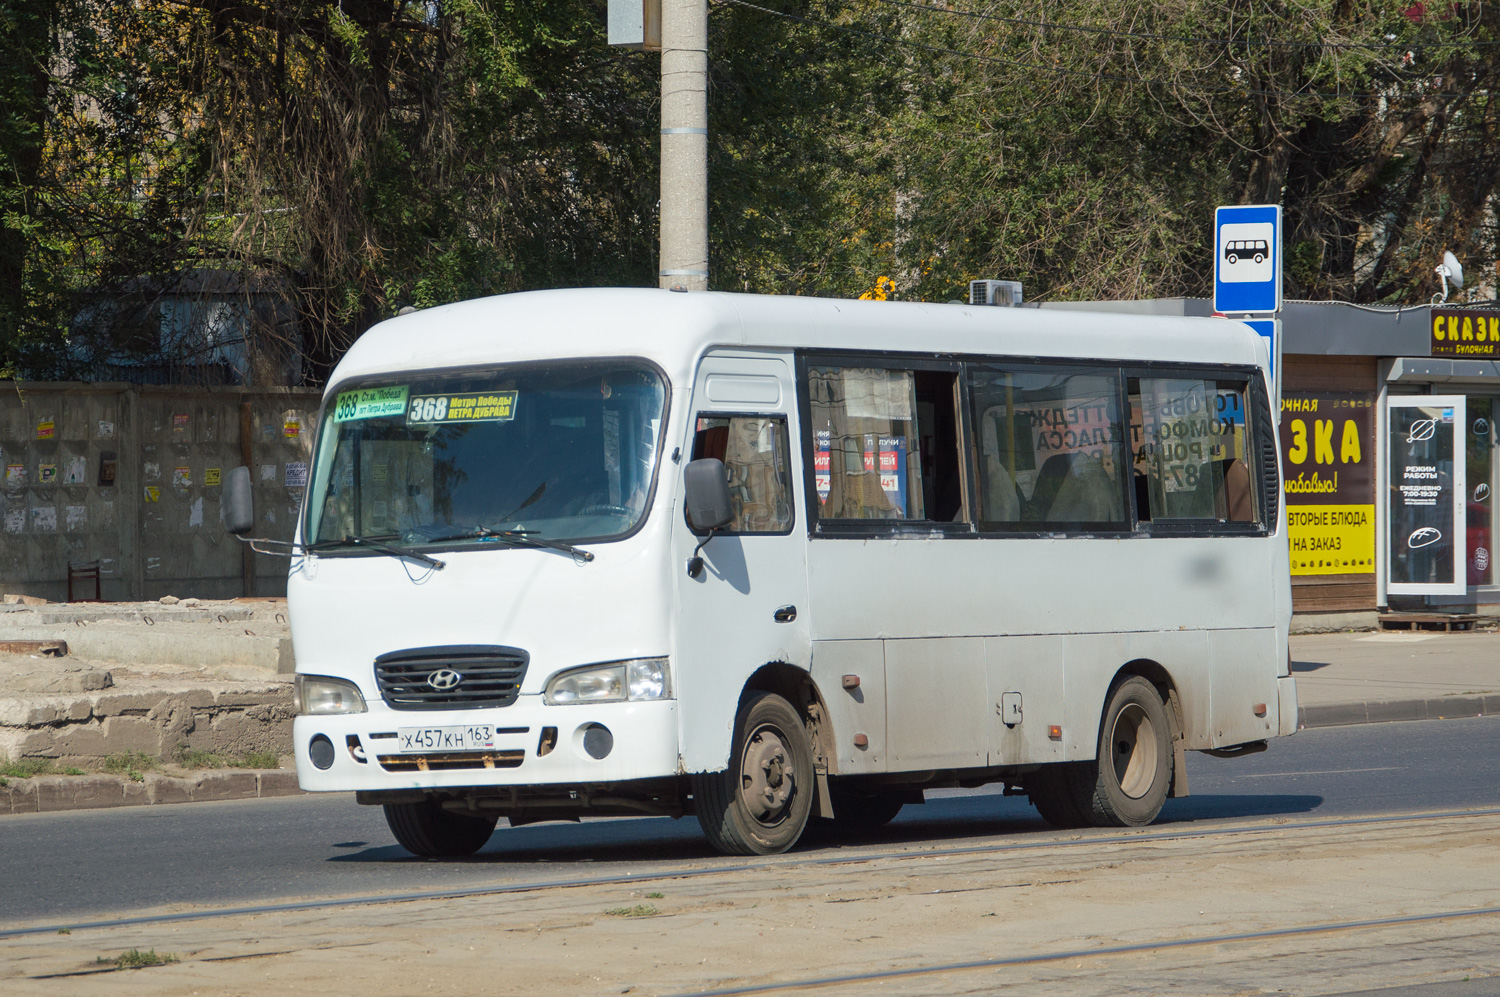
[380,545]
[521,538]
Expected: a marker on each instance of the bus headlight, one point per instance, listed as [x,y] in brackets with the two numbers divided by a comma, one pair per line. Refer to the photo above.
[314,695]
[635,680]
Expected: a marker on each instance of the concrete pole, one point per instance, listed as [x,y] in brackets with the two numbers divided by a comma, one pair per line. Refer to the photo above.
[684,144]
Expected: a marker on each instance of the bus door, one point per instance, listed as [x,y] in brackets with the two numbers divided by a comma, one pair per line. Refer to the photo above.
[748,606]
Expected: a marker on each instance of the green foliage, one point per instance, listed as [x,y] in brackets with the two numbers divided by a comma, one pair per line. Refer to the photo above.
[198,758]
[349,159]
[136,959]
[639,910]
[25,768]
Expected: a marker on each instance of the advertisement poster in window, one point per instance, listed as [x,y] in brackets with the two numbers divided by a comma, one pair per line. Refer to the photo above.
[1328,467]
[1426,487]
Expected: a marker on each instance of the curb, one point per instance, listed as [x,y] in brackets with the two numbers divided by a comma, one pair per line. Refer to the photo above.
[58,793]
[1445,708]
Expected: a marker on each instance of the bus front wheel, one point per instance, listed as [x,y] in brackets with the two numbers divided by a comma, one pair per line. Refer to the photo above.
[760,804]
[428,830]
[1127,782]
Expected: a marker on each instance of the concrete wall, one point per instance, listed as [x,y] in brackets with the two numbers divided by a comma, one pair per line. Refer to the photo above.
[154,523]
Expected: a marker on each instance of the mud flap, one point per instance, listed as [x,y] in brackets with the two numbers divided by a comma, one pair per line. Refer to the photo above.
[823,805]
[1179,768]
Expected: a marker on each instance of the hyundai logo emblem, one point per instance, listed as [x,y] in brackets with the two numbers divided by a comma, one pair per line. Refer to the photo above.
[444,679]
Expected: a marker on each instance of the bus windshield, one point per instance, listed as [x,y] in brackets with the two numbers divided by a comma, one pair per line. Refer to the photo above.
[557,452]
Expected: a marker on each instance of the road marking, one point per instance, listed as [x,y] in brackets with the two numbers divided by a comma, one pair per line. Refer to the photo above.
[1268,775]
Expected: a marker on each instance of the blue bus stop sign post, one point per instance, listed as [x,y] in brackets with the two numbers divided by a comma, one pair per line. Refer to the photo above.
[1270,328]
[1247,259]
[1247,274]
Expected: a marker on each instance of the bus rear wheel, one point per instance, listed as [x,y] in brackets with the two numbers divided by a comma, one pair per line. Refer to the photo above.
[1127,782]
[760,804]
[426,829]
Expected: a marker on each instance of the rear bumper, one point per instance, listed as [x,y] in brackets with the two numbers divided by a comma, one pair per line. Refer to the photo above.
[1286,700]
[644,734]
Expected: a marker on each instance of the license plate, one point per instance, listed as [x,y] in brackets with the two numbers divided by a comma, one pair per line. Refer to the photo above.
[470,738]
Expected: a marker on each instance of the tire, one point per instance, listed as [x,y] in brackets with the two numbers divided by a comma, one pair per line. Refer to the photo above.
[1260,258]
[760,804]
[1127,782]
[1233,258]
[426,829]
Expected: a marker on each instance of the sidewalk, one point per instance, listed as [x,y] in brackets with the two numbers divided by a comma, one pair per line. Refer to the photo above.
[1370,677]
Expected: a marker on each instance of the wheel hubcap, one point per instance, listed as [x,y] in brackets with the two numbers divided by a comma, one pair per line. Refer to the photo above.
[766,777]
[1134,749]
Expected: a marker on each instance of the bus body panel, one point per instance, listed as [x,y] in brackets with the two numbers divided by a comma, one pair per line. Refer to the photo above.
[856,709]
[725,618]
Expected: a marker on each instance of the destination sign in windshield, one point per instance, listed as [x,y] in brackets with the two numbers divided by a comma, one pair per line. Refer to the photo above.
[498,406]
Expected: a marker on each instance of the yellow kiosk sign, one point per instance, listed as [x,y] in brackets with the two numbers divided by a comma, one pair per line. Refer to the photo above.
[1327,466]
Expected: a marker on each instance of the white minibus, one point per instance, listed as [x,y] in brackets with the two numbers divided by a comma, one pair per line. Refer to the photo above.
[764,560]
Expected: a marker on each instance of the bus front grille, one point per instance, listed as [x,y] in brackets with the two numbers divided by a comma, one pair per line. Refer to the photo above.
[452,760]
[457,677]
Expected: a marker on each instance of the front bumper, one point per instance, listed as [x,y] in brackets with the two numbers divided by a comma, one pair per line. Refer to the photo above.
[645,747]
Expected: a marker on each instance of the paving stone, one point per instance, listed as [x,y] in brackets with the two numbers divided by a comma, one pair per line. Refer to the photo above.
[234,784]
[1455,706]
[1404,709]
[19,797]
[165,789]
[279,782]
[78,792]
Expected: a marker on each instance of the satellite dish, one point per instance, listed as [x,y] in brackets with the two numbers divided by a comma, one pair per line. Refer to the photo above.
[1449,270]
[1455,269]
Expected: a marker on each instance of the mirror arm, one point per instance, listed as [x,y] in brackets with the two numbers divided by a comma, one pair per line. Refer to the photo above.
[695,563]
[290,551]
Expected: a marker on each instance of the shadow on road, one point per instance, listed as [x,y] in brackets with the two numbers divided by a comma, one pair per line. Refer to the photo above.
[654,839]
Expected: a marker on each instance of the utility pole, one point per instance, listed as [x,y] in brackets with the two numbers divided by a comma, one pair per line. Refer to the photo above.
[678,29]
[684,144]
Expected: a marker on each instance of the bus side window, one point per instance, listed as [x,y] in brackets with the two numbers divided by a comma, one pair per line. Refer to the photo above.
[1191,450]
[1051,448]
[885,444]
[754,451]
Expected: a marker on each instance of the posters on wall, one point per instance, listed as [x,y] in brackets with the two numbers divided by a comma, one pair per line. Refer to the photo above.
[1328,463]
[1426,532]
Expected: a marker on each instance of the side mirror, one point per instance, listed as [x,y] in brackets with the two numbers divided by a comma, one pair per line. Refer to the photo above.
[239,507]
[708,504]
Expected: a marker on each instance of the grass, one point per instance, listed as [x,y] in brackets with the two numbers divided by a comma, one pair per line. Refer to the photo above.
[197,758]
[136,959]
[25,768]
[134,764]
[639,910]
[129,761]
[654,896]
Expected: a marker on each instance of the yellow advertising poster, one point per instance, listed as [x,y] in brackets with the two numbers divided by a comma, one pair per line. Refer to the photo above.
[1331,539]
[1328,472]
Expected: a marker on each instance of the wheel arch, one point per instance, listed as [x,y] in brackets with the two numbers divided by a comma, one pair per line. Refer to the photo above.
[797,687]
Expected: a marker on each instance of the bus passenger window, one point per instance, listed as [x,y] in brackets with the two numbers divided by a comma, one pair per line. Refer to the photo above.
[885,444]
[1051,448]
[755,456]
[1191,453]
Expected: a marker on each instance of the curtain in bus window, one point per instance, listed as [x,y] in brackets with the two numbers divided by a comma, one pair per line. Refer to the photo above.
[754,452]
[1051,445]
[1191,452]
[867,461]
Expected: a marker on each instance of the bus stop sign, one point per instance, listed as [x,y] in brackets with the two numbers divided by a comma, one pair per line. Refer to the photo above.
[1247,259]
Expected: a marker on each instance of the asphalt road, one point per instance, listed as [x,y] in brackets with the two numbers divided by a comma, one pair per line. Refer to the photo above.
[57,867]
